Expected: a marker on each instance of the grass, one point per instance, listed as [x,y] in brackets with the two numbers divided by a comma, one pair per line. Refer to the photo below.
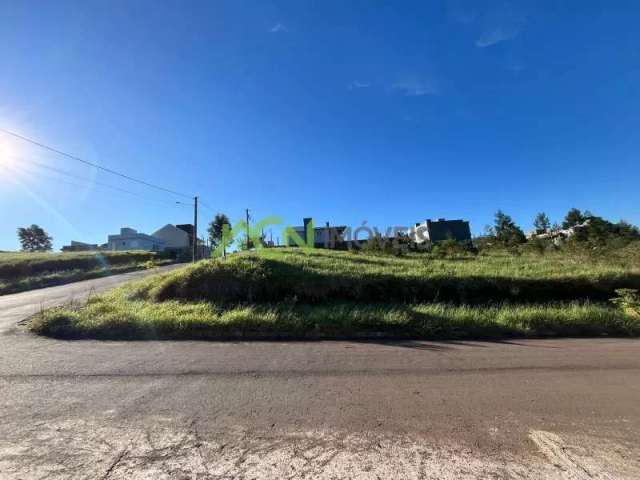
[115,316]
[323,276]
[292,293]
[20,271]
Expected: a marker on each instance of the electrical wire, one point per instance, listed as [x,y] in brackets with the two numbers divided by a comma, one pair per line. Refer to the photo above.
[206,206]
[89,183]
[86,162]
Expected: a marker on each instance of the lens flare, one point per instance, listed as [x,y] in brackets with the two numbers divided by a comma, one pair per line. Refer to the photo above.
[8,153]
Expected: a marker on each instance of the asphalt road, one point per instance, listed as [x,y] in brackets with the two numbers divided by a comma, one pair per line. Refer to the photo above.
[566,409]
[19,306]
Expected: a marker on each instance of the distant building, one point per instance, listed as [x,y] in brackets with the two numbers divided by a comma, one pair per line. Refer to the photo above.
[557,236]
[188,228]
[323,237]
[80,247]
[179,240]
[173,237]
[130,239]
[440,230]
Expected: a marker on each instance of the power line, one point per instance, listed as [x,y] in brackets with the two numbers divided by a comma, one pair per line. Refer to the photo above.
[77,177]
[202,204]
[86,162]
[90,182]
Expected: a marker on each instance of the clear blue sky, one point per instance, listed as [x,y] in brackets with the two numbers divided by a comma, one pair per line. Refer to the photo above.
[389,112]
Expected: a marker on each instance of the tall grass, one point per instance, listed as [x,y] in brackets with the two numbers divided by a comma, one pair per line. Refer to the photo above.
[326,276]
[113,316]
[22,264]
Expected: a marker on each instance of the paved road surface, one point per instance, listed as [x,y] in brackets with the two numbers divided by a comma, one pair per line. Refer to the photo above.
[19,306]
[566,409]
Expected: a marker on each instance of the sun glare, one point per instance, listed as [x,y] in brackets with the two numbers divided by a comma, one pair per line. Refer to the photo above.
[8,153]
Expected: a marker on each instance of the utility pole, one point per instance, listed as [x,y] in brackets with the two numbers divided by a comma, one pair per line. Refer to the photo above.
[248,238]
[195,229]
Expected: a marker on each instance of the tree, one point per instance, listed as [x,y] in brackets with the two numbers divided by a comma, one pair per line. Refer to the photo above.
[574,217]
[542,222]
[216,230]
[507,232]
[34,239]
[600,232]
[627,230]
[489,231]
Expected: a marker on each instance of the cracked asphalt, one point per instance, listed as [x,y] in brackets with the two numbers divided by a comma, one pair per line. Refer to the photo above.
[565,408]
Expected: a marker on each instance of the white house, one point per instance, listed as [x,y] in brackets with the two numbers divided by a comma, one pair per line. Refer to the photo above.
[130,239]
[173,237]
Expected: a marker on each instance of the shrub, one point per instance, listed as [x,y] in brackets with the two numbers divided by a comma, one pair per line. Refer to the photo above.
[539,246]
[628,300]
[452,248]
[149,264]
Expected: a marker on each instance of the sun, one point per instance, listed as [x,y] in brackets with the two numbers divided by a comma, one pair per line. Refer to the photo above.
[8,154]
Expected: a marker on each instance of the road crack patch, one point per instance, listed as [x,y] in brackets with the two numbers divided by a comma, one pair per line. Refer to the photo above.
[114,464]
[561,456]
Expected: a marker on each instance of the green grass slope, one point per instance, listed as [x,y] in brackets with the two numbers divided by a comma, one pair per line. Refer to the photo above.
[322,276]
[292,292]
[21,271]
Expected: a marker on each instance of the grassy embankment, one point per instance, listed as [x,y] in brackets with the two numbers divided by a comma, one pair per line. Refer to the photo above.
[290,293]
[22,271]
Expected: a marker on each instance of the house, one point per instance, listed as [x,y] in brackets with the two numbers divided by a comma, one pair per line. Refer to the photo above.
[174,237]
[178,239]
[440,230]
[204,251]
[323,237]
[130,239]
[187,227]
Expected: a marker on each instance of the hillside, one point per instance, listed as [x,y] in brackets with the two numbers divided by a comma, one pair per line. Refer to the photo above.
[292,292]
[21,271]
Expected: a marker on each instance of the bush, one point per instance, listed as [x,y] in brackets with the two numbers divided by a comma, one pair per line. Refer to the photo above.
[451,249]
[628,300]
[630,254]
[149,264]
[539,246]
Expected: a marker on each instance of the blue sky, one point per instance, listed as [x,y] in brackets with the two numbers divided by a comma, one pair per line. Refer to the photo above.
[389,112]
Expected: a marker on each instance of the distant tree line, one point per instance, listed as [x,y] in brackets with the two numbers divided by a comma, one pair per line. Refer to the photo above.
[578,228]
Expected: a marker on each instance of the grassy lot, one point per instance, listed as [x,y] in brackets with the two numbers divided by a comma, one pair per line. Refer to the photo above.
[323,276]
[22,271]
[293,293]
